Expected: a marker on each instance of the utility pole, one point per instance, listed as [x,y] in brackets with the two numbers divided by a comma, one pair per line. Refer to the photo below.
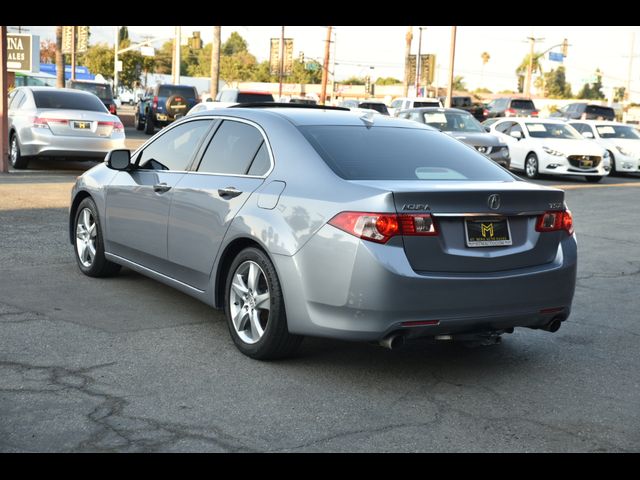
[176,56]
[73,52]
[333,66]
[59,59]
[407,60]
[215,62]
[628,91]
[281,70]
[325,67]
[527,84]
[419,62]
[115,61]
[4,110]
[452,54]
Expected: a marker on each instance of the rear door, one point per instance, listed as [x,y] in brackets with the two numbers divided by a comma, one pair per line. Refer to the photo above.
[138,202]
[205,202]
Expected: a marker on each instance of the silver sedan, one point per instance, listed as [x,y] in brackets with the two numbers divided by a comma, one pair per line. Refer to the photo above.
[323,222]
[60,122]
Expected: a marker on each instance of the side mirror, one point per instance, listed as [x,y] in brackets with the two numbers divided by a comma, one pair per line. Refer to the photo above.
[517,135]
[487,129]
[587,134]
[119,160]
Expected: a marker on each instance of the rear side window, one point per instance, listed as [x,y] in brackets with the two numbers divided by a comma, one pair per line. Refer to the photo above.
[523,104]
[378,107]
[600,111]
[254,97]
[174,149]
[232,149]
[390,153]
[425,104]
[168,91]
[17,100]
[68,101]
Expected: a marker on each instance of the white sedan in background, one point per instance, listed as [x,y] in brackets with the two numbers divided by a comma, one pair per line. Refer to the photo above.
[551,147]
[622,141]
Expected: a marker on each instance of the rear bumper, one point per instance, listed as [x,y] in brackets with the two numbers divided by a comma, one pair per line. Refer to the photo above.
[338,286]
[47,144]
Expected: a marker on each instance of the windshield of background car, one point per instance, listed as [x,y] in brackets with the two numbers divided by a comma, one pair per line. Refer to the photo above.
[168,91]
[552,130]
[378,107]
[425,104]
[453,122]
[68,101]
[392,153]
[600,111]
[101,90]
[254,97]
[522,104]
[617,131]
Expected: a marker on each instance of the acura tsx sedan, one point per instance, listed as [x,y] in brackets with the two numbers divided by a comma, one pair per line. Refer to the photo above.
[315,221]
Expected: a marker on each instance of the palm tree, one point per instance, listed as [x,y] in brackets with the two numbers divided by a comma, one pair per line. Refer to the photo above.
[485,59]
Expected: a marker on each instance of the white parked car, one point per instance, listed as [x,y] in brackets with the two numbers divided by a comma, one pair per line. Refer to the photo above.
[551,147]
[622,141]
[404,103]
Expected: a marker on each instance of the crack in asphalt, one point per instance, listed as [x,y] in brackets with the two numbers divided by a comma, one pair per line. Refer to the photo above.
[147,435]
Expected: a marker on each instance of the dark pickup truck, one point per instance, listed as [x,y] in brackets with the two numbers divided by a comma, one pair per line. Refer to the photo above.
[468,105]
[164,104]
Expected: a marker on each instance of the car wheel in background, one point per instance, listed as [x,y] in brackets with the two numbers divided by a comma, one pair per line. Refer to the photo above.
[254,308]
[89,244]
[15,156]
[138,122]
[149,128]
[531,166]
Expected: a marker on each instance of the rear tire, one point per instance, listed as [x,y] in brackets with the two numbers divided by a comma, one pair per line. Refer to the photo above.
[15,156]
[149,127]
[593,179]
[254,308]
[89,244]
[138,122]
[531,166]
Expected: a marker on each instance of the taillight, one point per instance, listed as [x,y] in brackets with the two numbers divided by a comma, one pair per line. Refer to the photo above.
[485,113]
[42,122]
[117,126]
[509,112]
[380,227]
[112,108]
[554,221]
[155,102]
[534,113]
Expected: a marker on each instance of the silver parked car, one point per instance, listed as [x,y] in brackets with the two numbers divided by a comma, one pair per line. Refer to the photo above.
[322,222]
[60,122]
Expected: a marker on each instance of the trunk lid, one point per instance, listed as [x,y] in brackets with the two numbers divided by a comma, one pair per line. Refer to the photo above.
[79,123]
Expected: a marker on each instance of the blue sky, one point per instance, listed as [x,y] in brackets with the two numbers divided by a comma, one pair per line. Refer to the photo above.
[360,47]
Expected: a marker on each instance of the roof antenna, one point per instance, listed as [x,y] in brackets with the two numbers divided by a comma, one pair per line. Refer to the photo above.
[367,119]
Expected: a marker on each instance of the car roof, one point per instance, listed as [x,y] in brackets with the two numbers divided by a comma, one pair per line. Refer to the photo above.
[600,122]
[312,116]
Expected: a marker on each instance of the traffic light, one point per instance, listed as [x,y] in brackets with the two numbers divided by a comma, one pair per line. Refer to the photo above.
[565,47]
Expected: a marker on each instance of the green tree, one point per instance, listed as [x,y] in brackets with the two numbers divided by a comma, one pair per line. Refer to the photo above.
[458,83]
[99,59]
[556,85]
[482,90]
[521,71]
[387,81]
[593,91]
[237,67]
[234,44]
[619,94]
[354,81]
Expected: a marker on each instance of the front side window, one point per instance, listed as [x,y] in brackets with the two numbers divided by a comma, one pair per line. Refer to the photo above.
[504,127]
[392,153]
[174,149]
[233,150]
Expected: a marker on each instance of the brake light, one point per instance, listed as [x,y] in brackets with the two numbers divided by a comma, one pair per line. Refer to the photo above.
[534,113]
[554,221]
[155,102]
[42,122]
[117,126]
[112,108]
[380,227]
[485,113]
[510,112]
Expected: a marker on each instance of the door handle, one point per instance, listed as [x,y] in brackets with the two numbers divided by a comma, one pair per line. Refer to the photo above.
[229,192]
[161,187]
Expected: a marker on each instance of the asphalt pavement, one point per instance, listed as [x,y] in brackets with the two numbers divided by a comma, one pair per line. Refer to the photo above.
[127,364]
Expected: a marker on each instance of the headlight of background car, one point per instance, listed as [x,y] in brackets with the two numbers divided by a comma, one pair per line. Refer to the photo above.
[624,152]
[551,151]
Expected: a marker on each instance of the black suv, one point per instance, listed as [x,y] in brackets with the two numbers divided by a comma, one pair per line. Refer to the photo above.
[510,107]
[585,111]
[467,104]
[163,104]
[101,90]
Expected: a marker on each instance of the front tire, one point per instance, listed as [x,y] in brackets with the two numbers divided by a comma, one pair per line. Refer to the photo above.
[531,166]
[149,127]
[89,243]
[15,156]
[138,122]
[612,163]
[254,308]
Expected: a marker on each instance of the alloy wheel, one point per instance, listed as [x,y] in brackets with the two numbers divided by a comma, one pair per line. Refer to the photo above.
[86,236]
[249,302]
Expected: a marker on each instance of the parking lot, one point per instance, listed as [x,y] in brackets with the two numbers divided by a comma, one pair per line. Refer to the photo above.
[127,364]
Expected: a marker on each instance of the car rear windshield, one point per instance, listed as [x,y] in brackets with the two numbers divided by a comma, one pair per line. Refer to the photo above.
[392,153]
[600,111]
[101,90]
[378,107]
[425,104]
[68,101]
[247,97]
[168,91]
[523,104]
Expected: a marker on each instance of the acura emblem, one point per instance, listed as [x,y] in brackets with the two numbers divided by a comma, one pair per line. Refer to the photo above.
[493,201]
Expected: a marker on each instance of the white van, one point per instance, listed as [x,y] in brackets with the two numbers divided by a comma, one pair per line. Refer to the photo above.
[404,103]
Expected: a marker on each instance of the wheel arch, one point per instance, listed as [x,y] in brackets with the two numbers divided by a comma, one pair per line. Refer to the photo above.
[81,195]
[226,258]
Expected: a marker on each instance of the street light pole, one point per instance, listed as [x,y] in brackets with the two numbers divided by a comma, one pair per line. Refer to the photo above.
[452,54]
[419,62]
[281,72]
[325,67]
[116,43]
